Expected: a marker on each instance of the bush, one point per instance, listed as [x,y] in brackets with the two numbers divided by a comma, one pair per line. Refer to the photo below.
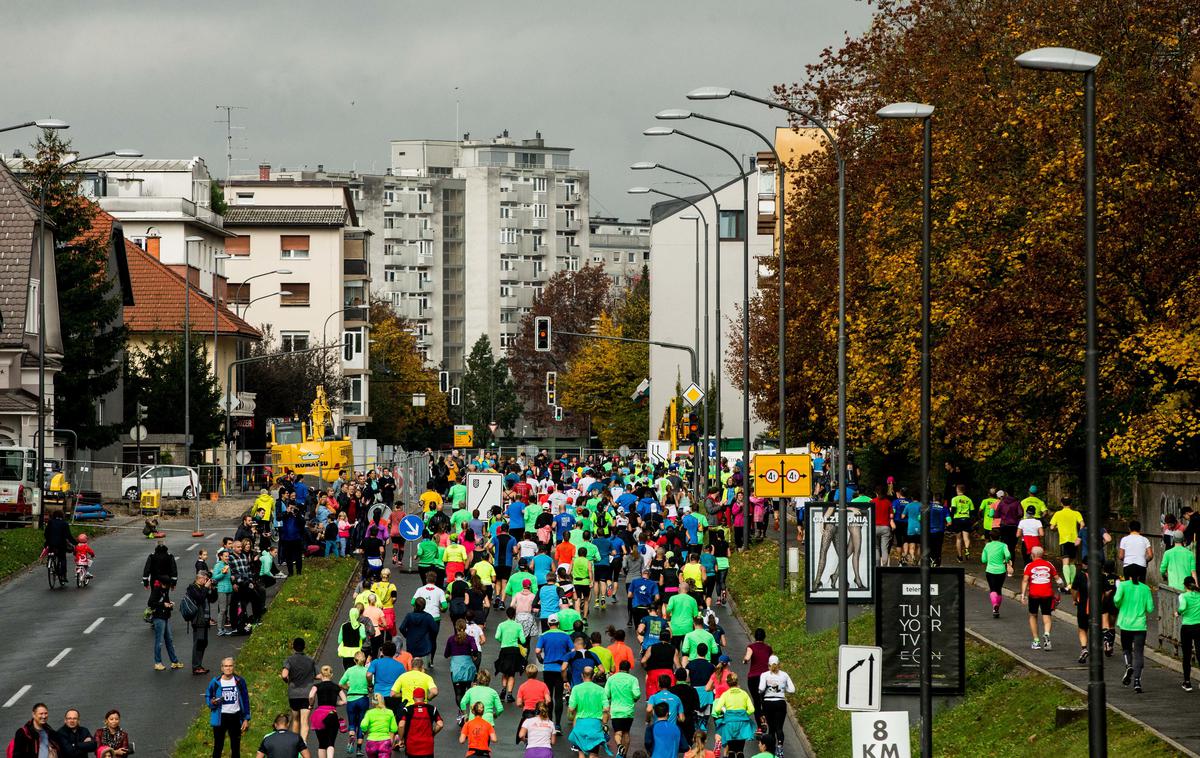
[305,606]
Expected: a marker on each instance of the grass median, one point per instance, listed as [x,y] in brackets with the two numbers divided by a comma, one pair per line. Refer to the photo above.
[1008,709]
[21,547]
[304,606]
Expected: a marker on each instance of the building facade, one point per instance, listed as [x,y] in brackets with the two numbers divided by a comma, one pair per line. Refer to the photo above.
[622,247]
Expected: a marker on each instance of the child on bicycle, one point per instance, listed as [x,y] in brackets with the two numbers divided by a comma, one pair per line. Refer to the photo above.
[84,555]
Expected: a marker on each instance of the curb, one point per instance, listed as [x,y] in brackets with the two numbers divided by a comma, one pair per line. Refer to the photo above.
[1165,661]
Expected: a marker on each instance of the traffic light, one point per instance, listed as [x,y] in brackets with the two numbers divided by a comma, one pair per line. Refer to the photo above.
[691,426]
[455,395]
[558,413]
[551,387]
[141,412]
[541,334]
[444,381]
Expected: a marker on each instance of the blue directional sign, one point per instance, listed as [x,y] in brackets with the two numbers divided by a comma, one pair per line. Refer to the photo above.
[412,527]
[712,447]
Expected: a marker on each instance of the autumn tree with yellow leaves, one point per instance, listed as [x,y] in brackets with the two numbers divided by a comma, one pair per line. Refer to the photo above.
[397,374]
[1008,305]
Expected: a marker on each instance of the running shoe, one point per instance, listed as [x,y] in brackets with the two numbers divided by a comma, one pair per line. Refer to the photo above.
[1137,686]
[1187,686]
[1036,644]
[1108,648]
[1045,642]
[350,748]
[1128,676]
[1083,655]
[995,611]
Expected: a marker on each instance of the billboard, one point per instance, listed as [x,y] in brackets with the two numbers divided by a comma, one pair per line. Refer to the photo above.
[822,554]
[898,629]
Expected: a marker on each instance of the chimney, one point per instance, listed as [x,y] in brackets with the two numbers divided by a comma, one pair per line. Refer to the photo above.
[505,134]
[537,134]
[320,168]
[264,172]
[152,246]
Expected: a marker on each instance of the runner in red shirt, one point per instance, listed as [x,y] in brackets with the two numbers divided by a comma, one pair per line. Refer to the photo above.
[1039,584]
[883,526]
[418,725]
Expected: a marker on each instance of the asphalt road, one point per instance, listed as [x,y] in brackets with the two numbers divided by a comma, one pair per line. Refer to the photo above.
[89,648]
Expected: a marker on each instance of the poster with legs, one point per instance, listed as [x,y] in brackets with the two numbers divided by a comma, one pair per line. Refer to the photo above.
[823,559]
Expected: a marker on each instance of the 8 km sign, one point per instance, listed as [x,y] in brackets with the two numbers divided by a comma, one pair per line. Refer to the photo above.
[880,735]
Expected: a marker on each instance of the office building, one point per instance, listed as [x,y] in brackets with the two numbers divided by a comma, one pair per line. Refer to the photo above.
[622,247]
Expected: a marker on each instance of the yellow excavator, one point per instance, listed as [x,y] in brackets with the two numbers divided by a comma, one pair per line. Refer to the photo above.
[311,447]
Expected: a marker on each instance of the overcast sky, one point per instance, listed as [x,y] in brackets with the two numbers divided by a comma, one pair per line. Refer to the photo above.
[331,82]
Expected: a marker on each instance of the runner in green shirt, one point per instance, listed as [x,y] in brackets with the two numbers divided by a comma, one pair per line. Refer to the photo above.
[962,512]
[1134,601]
[697,637]
[588,699]
[997,562]
[482,692]
[429,554]
[987,507]
[681,611]
[623,692]
[1189,627]
[1177,564]
[457,519]
[457,494]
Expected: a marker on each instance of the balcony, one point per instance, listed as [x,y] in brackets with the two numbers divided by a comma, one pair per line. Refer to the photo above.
[525,244]
[356,316]
[161,209]
[406,255]
[563,197]
[621,241]
[352,267]
[520,193]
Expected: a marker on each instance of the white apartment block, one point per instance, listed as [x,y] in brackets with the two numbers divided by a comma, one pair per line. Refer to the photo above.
[302,238]
[622,247]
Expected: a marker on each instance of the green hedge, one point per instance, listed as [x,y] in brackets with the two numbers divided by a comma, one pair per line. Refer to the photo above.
[304,606]
[21,547]
[1008,709]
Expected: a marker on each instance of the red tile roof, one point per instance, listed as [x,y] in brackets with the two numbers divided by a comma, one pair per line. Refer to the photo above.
[101,228]
[158,297]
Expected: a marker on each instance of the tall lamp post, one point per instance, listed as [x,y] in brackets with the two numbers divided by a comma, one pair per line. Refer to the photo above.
[721,93]
[925,114]
[41,297]
[647,166]
[1066,60]
[187,369]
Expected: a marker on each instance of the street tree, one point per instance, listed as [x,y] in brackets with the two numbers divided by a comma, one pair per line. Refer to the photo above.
[397,374]
[154,377]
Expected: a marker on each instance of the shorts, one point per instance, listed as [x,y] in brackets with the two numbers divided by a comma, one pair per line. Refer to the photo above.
[1082,617]
[960,525]
[602,573]
[397,540]
[298,704]
[503,572]
[1043,604]
[622,725]
[899,536]
[1069,550]
[583,591]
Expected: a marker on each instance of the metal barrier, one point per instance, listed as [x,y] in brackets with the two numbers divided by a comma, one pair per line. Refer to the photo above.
[1169,634]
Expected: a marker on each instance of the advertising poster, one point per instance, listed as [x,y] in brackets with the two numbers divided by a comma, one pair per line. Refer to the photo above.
[822,556]
[898,629]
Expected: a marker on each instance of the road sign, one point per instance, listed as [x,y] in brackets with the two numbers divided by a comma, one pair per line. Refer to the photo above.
[464,435]
[137,433]
[412,527]
[243,457]
[712,447]
[693,395]
[782,475]
[658,451]
[623,451]
[874,735]
[859,677]
[484,492]
[493,426]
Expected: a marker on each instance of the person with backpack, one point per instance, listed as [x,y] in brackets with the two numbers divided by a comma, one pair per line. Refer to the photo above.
[196,610]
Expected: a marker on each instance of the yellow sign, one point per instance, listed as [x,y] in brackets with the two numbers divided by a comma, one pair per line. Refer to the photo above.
[693,395]
[464,435]
[782,476]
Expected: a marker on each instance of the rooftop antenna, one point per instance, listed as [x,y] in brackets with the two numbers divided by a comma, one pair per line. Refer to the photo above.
[457,104]
[229,127]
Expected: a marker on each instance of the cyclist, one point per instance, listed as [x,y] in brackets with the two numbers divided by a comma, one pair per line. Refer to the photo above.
[58,540]
[84,555]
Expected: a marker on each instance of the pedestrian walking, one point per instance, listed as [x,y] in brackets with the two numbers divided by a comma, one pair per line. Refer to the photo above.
[160,606]
[196,609]
[884,525]
[1134,602]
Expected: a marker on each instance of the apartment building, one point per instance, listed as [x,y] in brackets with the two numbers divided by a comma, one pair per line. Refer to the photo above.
[299,264]
[622,247]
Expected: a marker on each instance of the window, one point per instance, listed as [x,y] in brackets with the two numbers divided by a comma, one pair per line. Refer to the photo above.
[100,412]
[425,248]
[352,345]
[423,198]
[508,264]
[397,298]
[539,210]
[538,266]
[508,236]
[506,211]
[539,184]
[293,246]
[237,293]
[508,340]
[243,198]
[616,257]
[389,197]
[292,341]
[353,404]
[31,308]
[538,240]
[569,186]
[597,259]
[233,245]
[389,221]
[390,273]
[646,255]
[505,290]
[569,215]
[631,256]
[733,225]
[507,316]
[298,296]
[389,248]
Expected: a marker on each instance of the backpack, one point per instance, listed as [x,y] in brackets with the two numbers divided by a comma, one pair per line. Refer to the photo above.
[188,608]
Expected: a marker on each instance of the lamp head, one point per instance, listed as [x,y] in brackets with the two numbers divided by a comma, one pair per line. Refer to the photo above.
[692,217]
[127,153]
[709,93]
[638,190]
[283,271]
[1063,59]
[905,110]
[643,166]
[284,293]
[673,114]
[658,131]
[51,123]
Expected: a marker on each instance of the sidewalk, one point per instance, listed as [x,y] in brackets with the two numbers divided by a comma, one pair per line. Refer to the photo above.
[1163,707]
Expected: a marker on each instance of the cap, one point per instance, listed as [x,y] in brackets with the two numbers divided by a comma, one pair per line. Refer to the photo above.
[773,660]
[723,659]
[1033,489]
[419,692]
[553,620]
[526,583]
[1001,493]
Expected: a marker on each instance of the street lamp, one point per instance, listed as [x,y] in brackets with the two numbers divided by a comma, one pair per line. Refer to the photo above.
[1066,60]
[675,114]
[648,166]
[45,123]
[187,368]
[925,114]
[325,326]
[41,296]
[280,293]
[237,294]
[721,93]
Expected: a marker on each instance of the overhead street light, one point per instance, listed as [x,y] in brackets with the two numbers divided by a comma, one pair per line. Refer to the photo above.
[721,93]
[924,113]
[1069,61]
[44,123]
[237,295]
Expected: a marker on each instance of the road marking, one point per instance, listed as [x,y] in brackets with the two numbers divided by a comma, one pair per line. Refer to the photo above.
[92,626]
[8,703]
[57,658]
[124,597]
[193,546]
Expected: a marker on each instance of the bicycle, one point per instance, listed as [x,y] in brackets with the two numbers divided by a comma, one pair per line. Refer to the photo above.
[83,574]
[52,574]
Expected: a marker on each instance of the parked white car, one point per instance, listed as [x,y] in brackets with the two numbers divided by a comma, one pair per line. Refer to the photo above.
[170,481]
